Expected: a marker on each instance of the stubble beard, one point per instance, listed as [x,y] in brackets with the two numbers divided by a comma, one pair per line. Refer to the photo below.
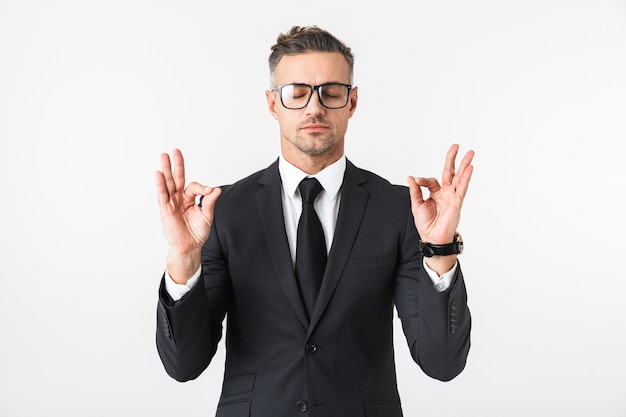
[314,145]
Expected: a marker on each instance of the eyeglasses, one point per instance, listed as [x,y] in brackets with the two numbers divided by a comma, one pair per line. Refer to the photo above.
[297,96]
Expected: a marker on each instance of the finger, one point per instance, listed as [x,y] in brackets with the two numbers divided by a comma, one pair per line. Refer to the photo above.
[448,167]
[208,201]
[431,183]
[179,169]
[465,162]
[462,176]
[415,192]
[193,190]
[166,169]
[463,184]
[162,195]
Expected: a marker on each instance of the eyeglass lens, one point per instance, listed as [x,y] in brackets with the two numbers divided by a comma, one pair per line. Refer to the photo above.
[297,96]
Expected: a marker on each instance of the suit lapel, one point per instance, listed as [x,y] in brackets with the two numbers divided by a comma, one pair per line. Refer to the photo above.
[269,203]
[353,202]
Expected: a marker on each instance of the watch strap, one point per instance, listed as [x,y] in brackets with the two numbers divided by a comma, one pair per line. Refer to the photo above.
[454,248]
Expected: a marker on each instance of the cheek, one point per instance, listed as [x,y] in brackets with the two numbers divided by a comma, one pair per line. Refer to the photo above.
[342,126]
[287,124]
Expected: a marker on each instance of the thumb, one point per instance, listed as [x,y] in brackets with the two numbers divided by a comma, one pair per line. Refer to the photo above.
[208,199]
[415,191]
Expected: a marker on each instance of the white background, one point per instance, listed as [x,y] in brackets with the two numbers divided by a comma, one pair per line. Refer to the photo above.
[91,92]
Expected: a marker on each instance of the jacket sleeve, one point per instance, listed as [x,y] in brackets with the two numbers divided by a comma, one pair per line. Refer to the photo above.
[436,325]
[189,330]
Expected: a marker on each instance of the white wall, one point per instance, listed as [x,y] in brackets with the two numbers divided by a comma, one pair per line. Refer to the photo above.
[92,92]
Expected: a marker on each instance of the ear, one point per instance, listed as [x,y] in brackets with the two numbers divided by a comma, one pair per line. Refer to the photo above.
[271,103]
[354,98]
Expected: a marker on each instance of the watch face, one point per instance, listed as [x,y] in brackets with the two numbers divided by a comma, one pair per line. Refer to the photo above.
[458,239]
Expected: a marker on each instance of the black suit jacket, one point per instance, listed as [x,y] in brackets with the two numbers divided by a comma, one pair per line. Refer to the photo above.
[340,363]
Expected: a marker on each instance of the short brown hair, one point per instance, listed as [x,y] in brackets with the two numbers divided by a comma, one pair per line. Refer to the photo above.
[307,39]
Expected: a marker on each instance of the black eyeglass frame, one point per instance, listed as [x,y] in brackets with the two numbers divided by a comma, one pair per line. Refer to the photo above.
[312,88]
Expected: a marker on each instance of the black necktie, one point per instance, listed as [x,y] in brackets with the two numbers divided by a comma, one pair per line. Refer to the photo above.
[310,246]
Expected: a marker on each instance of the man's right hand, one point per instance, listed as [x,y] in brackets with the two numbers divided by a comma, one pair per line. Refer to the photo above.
[186,225]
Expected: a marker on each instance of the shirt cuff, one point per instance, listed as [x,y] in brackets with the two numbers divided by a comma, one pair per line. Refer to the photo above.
[441,283]
[177,291]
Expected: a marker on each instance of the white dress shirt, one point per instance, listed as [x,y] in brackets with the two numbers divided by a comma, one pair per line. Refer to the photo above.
[327,208]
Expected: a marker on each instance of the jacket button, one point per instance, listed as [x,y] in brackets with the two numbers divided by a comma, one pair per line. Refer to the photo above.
[311,348]
[302,406]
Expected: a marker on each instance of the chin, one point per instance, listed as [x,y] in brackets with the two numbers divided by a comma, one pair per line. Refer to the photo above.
[316,151]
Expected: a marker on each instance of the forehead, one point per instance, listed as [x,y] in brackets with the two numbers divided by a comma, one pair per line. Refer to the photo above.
[313,68]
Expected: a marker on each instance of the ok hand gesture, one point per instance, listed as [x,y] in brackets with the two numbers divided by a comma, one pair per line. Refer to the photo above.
[186,225]
[437,217]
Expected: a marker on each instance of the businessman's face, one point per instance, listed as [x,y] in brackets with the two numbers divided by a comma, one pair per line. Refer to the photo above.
[315,130]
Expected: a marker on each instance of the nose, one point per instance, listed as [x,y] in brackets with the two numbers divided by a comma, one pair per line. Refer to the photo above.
[314,106]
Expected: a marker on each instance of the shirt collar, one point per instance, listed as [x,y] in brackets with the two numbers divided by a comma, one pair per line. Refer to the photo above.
[330,177]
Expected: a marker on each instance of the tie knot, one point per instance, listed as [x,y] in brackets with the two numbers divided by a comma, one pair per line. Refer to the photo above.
[309,189]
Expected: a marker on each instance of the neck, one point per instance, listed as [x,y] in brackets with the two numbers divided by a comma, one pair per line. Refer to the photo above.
[311,164]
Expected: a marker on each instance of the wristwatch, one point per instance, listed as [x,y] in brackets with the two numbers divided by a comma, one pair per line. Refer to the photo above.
[454,248]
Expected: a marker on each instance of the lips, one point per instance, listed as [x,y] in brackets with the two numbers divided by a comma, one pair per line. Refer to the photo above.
[315,127]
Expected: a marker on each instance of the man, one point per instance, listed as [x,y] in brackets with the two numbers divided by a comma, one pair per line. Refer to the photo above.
[295,346]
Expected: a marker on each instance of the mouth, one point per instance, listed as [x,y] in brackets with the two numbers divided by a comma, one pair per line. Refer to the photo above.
[314,128]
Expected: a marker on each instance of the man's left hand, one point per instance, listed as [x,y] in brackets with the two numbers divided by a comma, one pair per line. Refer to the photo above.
[437,217]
